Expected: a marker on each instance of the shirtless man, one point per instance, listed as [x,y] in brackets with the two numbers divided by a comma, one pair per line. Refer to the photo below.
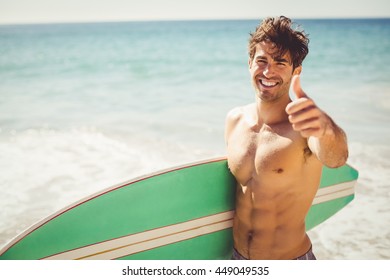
[276,148]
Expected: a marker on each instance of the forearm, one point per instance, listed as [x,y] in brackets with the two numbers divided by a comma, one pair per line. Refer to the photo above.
[331,148]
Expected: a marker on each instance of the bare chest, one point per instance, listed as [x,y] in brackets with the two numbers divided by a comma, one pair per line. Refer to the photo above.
[268,154]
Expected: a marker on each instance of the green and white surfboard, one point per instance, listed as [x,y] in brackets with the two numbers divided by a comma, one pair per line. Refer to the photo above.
[181,213]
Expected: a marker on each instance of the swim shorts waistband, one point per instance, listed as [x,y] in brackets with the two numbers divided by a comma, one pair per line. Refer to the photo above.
[309,255]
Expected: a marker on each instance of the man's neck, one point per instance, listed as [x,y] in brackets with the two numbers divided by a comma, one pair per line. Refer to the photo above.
[272,112]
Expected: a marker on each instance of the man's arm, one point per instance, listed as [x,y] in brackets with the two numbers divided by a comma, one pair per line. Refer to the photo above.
[325,139]
[332,148]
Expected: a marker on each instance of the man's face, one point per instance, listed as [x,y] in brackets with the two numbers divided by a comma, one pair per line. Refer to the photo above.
[271,73]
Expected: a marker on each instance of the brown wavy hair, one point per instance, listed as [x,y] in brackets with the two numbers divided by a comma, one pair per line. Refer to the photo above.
[281,32]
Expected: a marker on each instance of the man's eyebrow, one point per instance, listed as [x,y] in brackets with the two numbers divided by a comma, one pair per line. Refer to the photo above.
[260,57]
[281,59]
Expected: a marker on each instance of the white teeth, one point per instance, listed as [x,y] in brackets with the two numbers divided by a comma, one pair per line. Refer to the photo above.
[268,84]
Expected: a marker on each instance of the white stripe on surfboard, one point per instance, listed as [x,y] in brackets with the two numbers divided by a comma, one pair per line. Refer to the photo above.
[147,240]
[155,238]
[334,192]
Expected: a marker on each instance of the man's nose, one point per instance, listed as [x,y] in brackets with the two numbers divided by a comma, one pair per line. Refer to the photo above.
[268,70]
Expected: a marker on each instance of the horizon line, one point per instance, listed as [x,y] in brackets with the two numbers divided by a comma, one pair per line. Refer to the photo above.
[186,20]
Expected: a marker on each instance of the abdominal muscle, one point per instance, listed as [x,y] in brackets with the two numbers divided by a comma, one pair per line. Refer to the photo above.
[269,222]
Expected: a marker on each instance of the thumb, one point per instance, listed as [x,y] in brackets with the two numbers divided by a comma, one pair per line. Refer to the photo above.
[296,86]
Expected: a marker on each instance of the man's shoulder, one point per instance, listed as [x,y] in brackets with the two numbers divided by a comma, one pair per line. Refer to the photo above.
[237,113]
[237,117]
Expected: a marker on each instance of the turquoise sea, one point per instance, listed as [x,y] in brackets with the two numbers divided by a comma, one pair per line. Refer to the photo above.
[86,106]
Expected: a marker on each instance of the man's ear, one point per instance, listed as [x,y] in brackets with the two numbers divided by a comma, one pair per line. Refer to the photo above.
[250,62]
[297,70]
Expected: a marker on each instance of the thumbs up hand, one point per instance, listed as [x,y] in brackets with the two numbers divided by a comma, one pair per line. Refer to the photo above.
[304,115]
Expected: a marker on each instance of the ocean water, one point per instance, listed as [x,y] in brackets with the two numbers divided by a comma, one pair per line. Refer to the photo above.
[86,106]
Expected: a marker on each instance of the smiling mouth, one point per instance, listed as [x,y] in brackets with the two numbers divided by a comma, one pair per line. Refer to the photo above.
[268,84]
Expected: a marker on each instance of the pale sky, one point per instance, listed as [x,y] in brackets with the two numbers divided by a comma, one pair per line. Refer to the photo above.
[44,11]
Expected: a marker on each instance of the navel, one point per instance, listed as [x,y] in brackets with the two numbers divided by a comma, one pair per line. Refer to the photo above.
[250,237]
